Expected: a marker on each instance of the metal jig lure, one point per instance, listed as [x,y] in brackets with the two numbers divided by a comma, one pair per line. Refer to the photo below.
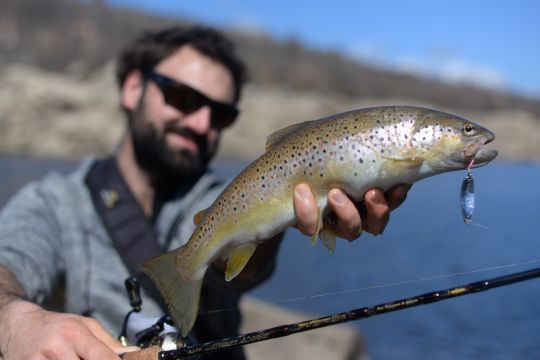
[467,198]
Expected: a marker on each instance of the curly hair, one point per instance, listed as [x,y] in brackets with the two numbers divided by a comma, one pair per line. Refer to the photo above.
[151,47]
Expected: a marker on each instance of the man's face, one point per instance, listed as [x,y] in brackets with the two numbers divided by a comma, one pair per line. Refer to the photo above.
[171,145]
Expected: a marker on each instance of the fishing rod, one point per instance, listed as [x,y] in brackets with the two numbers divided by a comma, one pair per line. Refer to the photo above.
[187,351]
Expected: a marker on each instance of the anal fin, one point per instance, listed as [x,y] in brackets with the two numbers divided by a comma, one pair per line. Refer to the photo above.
[315,236]
[328,235]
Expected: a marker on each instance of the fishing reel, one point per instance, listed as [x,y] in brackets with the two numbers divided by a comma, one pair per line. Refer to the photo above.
[154,335]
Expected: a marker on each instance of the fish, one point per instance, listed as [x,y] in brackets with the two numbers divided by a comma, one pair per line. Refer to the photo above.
[377,147]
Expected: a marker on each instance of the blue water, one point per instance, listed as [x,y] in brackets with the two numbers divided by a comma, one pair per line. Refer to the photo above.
[427,238]
[425,247]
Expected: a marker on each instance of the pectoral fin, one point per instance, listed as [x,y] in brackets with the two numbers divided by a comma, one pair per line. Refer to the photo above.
[405,161]
[237,260]
[409,163]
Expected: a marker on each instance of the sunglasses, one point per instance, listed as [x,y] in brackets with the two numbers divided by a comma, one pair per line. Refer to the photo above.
[188,100]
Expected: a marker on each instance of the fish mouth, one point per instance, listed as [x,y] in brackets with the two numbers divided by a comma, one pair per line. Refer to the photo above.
[475,155]
[483,157]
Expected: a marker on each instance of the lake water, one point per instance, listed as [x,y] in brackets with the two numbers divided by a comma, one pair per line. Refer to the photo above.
[425,247]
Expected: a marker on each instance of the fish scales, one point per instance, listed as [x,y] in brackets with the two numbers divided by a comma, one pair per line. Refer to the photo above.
[355,151]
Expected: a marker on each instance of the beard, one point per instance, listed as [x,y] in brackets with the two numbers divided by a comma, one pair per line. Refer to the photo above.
[168,168]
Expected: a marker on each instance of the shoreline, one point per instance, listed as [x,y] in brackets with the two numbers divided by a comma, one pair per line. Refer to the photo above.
[45,114]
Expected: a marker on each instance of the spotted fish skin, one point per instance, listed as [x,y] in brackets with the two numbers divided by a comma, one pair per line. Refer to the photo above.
[355,151]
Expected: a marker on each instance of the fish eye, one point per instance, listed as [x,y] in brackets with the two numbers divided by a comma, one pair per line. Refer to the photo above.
[469,129]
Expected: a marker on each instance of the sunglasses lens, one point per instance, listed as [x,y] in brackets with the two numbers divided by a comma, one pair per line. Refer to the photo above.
[223,116]
[188,100]
[183,98]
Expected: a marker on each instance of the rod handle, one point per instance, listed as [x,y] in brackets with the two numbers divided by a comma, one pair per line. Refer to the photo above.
[150,353]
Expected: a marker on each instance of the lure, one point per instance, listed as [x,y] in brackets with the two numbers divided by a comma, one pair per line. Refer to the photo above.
[467,196]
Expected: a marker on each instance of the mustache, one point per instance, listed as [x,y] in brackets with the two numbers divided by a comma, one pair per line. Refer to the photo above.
[200,140]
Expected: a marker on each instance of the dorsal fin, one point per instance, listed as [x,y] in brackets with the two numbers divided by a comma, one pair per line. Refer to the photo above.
[197,218]
[277,136]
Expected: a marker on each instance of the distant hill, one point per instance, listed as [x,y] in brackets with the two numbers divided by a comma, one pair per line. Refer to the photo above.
[80,36]
[58,97]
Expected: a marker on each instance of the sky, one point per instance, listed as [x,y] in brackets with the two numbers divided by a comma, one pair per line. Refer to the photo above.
[492,43]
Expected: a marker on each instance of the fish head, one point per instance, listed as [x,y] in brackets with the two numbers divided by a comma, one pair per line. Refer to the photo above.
[448,142]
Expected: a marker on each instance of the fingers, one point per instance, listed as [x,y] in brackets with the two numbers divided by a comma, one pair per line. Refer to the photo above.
[127,349]
[93,349]
[305,208]
[377,211]
[150,353]
[348,224]
[104,336]
[397,195]
[92,341]
[373,215]
[70,337]
[54,335]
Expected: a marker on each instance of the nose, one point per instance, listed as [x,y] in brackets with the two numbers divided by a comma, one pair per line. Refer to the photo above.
[199,121]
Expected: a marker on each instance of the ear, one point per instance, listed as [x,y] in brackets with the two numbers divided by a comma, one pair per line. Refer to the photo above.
[132,90]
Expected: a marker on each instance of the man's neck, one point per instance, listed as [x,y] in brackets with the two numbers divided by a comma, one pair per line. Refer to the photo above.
[138,180]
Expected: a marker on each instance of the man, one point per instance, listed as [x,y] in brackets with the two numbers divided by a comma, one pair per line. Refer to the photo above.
[179,89]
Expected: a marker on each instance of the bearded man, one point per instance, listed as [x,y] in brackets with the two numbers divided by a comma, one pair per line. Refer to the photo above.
[179,89]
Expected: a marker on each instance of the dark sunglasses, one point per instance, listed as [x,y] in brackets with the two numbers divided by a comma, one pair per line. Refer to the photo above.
[189,100]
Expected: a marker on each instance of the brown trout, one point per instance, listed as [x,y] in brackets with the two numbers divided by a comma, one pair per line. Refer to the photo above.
[355,151]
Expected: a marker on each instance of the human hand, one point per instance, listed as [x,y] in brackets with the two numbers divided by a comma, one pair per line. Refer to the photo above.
[350,220]
[30,332]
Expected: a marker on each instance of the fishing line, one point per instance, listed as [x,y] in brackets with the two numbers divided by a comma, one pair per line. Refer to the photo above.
[387,285]
[467,201]
[488,229]
[501,240]
[497,236]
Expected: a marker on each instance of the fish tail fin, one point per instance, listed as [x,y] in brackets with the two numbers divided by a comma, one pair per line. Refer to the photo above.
[182,298]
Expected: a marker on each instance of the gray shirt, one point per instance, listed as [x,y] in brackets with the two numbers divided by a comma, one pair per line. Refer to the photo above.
[51,228]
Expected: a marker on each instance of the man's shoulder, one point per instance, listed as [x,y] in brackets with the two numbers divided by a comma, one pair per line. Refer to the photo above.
[59,183]
[54,188]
